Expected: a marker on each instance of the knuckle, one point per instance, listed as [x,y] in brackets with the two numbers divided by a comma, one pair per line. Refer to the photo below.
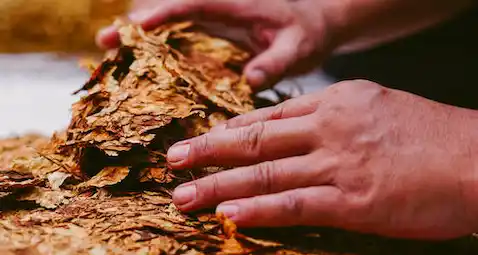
[202,147]
[358,205]
[278,112]
[208,188]
[286,57]
[348,98]
[250,138]
[320,121]
[358,86]
[368,86]
[293,205]
[312,122]
[365,83]
[264,177]
[214,188]
[235,122]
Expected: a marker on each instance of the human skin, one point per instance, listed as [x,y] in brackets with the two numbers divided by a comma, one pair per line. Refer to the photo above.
[292,37]
[356,156]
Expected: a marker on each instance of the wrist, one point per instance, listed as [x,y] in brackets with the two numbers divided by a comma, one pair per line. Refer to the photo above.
[467,168]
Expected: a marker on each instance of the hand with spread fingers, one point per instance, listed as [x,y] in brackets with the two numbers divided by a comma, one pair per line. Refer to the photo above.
[351,157]
[356,156]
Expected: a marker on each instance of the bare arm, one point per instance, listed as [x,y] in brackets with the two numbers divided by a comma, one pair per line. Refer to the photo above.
[294,36]
[367,23]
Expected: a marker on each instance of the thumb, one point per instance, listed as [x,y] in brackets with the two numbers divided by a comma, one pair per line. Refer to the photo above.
[269,66]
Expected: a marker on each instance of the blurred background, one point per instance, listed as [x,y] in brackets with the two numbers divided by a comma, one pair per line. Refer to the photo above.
[41,42]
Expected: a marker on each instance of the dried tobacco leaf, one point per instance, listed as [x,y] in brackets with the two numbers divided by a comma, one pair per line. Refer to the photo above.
[103,186]
[156,174]
[160,87]
[47,198]
[89,222]
[47,159]
[12,180]
[229,227]
[16,147]
[231,245]
[4,194]
[107,177]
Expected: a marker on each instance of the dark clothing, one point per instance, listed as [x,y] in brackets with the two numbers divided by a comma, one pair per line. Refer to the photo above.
[440,63]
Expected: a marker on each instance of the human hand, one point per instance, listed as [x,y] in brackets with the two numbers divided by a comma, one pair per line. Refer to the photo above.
[143,5]
[289,37]
[292,37]
[357,156]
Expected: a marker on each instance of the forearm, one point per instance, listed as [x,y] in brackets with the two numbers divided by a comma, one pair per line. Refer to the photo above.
[461,142]
[366,23]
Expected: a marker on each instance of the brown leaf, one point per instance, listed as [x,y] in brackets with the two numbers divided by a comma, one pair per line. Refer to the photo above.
[159,87]
[157,198]
[13,180]
[56,179]
[47,198]
[107,177]
[229,227]
[4,194]
[20,251]
[16,147]
[159,175]
[232,247]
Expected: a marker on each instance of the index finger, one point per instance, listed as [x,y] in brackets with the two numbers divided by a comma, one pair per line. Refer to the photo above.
[262,141]
[295,107]
[209,10]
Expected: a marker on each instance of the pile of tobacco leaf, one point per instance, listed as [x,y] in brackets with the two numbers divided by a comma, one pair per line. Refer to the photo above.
[102,186]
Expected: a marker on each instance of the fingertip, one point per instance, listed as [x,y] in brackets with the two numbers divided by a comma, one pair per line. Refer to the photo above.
[274,62]
[107,38]
[149,19]
[265,70]
[230,210]
[184,196]
[256,77]
[239,211]
[178,154]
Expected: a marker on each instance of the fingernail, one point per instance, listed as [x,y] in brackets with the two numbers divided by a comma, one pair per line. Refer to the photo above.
[184,194]
[229,210]
[256,77]
[107,37]
[178,153]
